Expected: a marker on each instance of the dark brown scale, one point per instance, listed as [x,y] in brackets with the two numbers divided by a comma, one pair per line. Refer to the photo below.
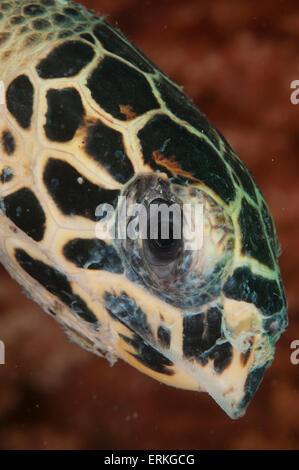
[114,84]
[71,195]
[15,20]
[23,208]
[40,25]
[254,238]
[124,308]
[56,283]
[34,10]
[200,333]
[5,6]
[105,145]
[164,336]
[8,142]
[148,356]
[252,383]
[249,287]
[66,60]
[19,100]
[166,146]
[93,254]
[61,20]
[6,175]
[221,355]
[65,34]
[24,29]
[64,114]
[72,12]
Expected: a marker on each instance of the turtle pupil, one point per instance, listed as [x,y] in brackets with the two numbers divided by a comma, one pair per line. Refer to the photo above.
[165,247]
[164,244]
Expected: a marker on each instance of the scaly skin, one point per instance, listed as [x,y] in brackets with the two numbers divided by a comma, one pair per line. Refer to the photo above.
[88,118]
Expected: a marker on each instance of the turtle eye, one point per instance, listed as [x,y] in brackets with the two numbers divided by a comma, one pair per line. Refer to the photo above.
[163,243]
[181,255]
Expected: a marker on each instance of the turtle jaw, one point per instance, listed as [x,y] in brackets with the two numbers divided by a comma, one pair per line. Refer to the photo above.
[243,328]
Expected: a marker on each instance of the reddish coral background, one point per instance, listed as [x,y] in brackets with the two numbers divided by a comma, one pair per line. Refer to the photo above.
[236,60]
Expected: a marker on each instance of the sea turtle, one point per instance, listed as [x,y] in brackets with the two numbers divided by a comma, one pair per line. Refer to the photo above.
[86,119]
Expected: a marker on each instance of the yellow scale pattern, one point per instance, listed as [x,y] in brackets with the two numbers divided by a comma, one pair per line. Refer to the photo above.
[29,32]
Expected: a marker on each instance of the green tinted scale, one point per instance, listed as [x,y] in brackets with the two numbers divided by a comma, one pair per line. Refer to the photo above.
[88,118]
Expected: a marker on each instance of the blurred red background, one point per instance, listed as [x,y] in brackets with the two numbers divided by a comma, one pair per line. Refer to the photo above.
[236,60]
